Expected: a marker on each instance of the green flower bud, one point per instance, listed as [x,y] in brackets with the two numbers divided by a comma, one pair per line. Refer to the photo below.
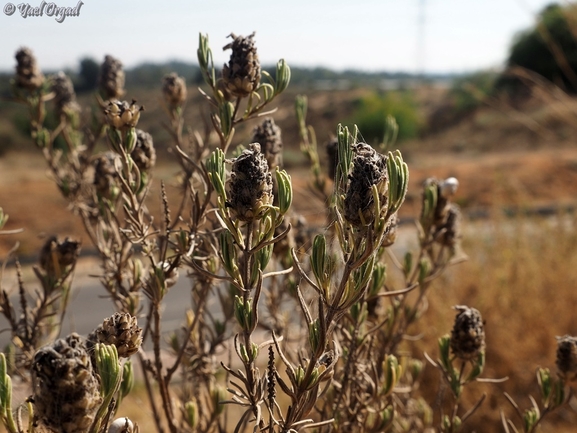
[127,379]
[228,254]
[226,111]
[444,352]
[314,335]
[530,418]
[282,78]
[191,414]
[408,263]
[299,375]
[320,263]
[218,396]
[3,218]
[398,172]
[393,372]
[216,172]
[285,192]
[204,55]
[5,392]
[108,368]
[243,313]
[379,278]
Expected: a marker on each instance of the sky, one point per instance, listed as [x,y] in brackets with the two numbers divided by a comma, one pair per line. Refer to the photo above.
[434,36]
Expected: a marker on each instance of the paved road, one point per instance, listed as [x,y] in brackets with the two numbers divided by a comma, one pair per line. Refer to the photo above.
[89,307]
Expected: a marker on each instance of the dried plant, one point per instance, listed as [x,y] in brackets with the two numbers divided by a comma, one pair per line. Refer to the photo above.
[331,318]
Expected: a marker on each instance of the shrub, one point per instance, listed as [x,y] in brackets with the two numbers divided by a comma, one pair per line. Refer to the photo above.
[309,338]
[373,110]
[549,48]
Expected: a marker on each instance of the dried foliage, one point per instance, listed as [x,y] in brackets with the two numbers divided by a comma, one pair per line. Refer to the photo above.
[331,322]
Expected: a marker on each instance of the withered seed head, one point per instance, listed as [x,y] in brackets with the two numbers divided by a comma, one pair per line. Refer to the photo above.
[452,226]
[250,184]
[120,330]
[143,155]
[468,334]
[28,75]
[111,78]
[105,176]
[242,73]
[58,256]
[369,168]
[122,115]
[567,357]
[64,95]
[66,394]
[174,90]
[268,135]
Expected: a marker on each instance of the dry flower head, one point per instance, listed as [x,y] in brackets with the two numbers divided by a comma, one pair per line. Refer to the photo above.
[66,392]
[241,75]
[111,78]
[28,74]
[250,184]
[468,334]
[120,330]
[369,168]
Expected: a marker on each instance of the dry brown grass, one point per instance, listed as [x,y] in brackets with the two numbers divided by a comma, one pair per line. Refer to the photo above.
[521,275]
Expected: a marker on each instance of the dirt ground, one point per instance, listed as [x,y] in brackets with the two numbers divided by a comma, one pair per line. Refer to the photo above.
[515,179]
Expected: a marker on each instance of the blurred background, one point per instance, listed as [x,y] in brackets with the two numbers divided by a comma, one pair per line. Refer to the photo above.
[481,90]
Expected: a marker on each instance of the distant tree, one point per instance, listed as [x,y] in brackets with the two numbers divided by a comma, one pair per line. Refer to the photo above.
[549,48]
[88,75]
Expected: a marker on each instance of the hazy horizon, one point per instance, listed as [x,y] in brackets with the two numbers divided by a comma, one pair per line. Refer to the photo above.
[413,36]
